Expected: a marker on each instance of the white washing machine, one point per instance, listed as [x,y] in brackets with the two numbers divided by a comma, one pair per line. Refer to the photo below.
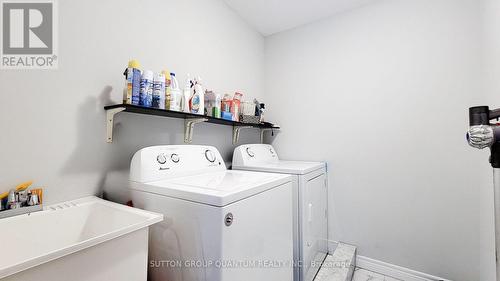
[220,225]
[309,200]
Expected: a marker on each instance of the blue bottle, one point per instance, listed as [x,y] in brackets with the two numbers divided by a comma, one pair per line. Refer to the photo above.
[132,83]
[146,91]
[136,85]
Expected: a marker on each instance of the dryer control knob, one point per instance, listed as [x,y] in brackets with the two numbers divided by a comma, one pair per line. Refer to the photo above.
[161,159]
[175,158]
[209,154]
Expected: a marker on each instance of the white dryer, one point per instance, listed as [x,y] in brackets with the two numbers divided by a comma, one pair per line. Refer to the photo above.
[220,225]
[309,200]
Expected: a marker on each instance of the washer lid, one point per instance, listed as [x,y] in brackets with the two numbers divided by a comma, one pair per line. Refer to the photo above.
[217,188]
[284,167]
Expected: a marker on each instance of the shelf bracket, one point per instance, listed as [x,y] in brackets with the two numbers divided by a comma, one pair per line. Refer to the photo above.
[189,127]
[110,122]
[236,133]
[262,131]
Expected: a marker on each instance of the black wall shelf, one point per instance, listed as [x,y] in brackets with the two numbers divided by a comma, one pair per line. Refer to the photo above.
[189,118]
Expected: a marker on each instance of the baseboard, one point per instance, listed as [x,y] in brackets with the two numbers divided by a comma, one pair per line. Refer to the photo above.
[394,271]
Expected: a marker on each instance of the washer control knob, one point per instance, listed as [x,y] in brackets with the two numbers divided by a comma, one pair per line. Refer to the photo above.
[250,152]
[209,154]
[271,150]
[175,158]
[161,158]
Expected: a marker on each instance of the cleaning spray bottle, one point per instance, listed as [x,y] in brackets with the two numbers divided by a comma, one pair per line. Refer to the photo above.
[198,99]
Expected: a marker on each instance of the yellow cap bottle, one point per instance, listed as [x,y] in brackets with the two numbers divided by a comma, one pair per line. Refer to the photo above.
[134,64]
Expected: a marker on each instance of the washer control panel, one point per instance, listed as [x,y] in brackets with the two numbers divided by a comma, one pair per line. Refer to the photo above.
[168,161]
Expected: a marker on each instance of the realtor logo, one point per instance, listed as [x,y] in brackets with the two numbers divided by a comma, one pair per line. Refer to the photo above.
[28,35]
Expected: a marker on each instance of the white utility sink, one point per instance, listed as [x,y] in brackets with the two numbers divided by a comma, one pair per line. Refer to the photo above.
[86,239]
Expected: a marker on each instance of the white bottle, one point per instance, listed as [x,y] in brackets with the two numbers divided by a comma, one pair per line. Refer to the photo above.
[175,94]
[198,98]
[186,95]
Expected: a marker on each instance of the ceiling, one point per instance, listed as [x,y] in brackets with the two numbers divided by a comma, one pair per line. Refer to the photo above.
[273,16]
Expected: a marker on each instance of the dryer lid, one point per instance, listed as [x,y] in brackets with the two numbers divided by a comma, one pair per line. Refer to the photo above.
[284,167]
[263,157]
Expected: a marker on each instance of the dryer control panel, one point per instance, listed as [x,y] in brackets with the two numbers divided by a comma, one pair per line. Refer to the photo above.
[247,154]
[169,161]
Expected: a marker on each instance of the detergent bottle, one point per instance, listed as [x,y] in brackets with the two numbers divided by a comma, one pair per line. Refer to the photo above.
[198,99]
[175,94]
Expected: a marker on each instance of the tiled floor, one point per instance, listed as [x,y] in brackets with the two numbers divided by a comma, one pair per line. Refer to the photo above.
[337,267]
[365,275]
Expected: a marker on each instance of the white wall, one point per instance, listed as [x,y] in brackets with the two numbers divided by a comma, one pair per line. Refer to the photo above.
[491,75]
[491,54]
[52,123]
[382,93]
